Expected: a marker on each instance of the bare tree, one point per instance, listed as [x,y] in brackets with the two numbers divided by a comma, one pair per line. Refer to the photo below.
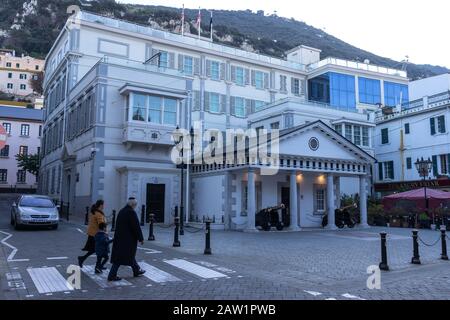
[37,83]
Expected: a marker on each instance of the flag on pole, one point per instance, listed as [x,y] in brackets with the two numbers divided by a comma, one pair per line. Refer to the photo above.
[211,25]
[182,21]
[199,22]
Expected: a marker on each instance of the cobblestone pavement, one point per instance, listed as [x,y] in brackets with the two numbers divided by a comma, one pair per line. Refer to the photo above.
[309,265]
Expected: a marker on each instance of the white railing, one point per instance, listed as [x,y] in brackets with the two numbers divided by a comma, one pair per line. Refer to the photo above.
[165,35]
[438,100]
[357,65]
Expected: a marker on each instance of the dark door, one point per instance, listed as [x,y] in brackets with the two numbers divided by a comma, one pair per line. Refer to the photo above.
[155,201]
[285,199]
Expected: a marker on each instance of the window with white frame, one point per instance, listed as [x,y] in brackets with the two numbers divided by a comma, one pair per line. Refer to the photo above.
[23,76]
[259,105]
[188,65]
[283,83]
[21,176]
[25,130]
[357,135]
[338,128]
[444,163]
[153,109]
[365,136]
[23,87]
[3,175]
[215,70]
[259,80]
[348,132]
[214,102]
[5,151]
[10,86]
[295,86]
[7,127]
[319,199]
[23,150]
[164,59]
[239,107]
[240,78]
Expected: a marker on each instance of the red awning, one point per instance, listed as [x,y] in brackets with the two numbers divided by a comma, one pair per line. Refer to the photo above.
[436,198]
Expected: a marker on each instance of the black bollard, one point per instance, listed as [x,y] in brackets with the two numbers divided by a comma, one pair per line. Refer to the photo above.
[176,241]
[86,217]
[113,223]
[151,236]
[416,258]
[444,255]
[68,210]
[208,238]
[143,215]
[383,264]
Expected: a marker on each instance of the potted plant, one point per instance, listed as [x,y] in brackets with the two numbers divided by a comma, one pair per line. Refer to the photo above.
[424,221]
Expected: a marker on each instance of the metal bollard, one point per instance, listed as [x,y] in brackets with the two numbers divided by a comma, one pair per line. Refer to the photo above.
[208,238]
[444,255]
[176,241]
[113,223]
[151,236]
[416,258]
[383,264]
[143,215]
[68,211]
[86,217]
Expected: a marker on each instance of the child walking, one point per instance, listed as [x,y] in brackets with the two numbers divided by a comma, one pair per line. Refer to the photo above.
[102,241]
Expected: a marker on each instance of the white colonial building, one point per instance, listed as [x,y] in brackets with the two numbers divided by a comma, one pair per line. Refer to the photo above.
[420,129]
[116,91]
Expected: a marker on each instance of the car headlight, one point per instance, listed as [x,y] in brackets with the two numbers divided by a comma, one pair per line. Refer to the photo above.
[54,216]
[25,216]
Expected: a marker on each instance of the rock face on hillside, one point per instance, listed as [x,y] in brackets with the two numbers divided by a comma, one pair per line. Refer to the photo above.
[22,28]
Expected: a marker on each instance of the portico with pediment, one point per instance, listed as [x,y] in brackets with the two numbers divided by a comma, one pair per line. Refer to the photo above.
[312,160]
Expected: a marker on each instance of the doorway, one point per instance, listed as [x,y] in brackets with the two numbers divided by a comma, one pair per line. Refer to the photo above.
[156,201]
[285,199]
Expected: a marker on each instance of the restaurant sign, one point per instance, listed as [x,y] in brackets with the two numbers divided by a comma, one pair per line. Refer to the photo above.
[411,185]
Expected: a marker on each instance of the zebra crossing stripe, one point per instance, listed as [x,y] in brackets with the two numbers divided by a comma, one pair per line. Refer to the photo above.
[157,275]
[350,296]
[102,278]
[313,293]
[195,269]
[48,280]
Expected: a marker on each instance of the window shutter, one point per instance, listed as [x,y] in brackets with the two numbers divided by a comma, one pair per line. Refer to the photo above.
[432,126]
[207,101]
[222,71]
[208,68]
[266,81]
[156,59]
[233,105]
[441,121]
[253,78]
[272,79]
[435,166]
[292,86]
[247,76]
[180,62]
[196,66]
[171,60]
[233,74]
[248,107]
[223,103]
[302,87]
[196,102]
[380,171]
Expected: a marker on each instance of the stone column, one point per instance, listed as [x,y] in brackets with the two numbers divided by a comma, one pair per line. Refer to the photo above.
[330,203]
[251,201]
[337,188]
[293,205]
[363,201]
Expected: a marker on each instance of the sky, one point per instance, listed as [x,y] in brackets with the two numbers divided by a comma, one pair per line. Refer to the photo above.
[389,28]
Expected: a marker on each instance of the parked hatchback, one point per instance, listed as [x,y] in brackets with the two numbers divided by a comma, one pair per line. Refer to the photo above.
[34,210]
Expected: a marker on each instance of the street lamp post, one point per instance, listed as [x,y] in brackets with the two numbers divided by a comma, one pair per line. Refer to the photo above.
[179,140]
[423,168]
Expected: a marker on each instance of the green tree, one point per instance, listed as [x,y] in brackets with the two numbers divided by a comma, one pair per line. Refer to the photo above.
[29,163]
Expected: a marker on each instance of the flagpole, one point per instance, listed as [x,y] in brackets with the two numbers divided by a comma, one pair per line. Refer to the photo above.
[199,21]
[182,22]
[211,26]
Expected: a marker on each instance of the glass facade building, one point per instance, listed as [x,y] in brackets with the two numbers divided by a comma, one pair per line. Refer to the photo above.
[335,89]
[369,91]
[394,92]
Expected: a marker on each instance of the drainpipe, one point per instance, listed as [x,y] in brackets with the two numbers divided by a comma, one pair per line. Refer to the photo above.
[402,159]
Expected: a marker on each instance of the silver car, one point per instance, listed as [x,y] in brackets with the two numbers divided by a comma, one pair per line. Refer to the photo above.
[34,210]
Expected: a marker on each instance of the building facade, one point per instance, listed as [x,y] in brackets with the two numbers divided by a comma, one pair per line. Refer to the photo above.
[16,73]
[23,127]
[421,130]
[116,91]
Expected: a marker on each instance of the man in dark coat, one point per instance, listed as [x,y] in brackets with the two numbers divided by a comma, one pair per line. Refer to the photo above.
[128,234]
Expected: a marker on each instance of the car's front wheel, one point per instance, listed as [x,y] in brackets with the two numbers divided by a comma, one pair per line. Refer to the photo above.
[12,220]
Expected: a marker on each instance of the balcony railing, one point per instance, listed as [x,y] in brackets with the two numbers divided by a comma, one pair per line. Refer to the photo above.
[357,65]
[165,35]
[438,100]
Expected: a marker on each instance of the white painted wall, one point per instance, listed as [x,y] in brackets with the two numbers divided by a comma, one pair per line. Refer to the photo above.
[429,86]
